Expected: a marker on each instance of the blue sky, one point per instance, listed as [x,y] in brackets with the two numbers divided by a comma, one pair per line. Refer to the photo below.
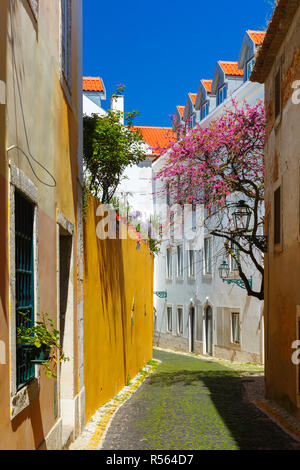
[160,49]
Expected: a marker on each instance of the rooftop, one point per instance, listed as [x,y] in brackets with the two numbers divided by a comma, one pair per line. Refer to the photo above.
[275,35]
[157,137]
[92,84]
[193,97]
[181,110]
[207,85]
[257,36]
[231,68]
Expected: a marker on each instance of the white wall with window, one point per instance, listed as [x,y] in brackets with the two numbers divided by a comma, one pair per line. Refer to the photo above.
[200,284]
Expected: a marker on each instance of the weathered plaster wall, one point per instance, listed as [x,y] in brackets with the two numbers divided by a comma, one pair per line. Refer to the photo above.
[42,119]
[282,160]
[117,339]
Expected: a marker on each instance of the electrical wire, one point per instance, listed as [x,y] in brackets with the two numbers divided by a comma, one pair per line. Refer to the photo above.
[23,118]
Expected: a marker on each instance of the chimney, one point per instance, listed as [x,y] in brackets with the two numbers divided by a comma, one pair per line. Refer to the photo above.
[117,104]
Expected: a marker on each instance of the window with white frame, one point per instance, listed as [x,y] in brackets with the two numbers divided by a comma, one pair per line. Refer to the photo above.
[249,68]
[192,121]
[179,261]
[169,319]
[191,258]
[204,110]
[66,40]
[221,94]
[180,320]
[169,263]
[207,256]
[235,327]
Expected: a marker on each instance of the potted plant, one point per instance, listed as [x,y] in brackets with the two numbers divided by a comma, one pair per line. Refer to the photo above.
[40,342]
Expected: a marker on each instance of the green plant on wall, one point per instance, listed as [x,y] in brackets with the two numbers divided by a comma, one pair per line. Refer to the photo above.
[42,342]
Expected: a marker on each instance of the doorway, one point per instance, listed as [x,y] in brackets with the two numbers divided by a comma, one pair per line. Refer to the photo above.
[192,329]
[209,330]
[65,306]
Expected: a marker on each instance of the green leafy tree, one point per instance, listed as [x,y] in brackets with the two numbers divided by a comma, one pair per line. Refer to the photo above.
[109,148]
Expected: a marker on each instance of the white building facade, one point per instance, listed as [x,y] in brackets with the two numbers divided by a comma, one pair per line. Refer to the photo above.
[195,310]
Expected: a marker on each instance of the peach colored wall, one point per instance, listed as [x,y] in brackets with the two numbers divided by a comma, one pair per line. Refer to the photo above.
[282,168]
[51,126]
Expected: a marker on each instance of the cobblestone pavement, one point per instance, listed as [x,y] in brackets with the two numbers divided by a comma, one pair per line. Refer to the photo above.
[193,404]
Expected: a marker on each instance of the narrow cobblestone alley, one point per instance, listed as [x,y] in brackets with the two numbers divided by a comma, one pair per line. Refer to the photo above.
[193,404]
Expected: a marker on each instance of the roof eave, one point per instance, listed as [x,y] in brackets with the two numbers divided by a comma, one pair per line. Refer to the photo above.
[276,33]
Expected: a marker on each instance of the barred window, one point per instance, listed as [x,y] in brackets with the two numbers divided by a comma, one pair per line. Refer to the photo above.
[24,217]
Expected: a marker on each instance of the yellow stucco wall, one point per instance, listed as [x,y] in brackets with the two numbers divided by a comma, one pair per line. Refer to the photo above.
[117,340]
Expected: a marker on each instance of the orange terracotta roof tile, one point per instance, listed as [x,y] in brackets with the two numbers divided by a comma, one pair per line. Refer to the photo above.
[157,137]
[207,85]
[193,97]
[92,84]
[257,36]
[181,110]
[231,68]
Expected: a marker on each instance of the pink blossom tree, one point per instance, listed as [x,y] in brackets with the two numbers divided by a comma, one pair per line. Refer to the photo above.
[217,166]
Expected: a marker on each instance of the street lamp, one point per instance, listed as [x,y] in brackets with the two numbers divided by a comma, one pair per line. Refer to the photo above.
[224,273]
[224,270]
[241,217]
[241,221]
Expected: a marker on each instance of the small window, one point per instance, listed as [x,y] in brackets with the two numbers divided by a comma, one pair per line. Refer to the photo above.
[204,110]
[180,320]
[207,256]
[277,216]
[191,254]
[235,327]
[221,94]
[169,263]
[277,94]
[192,121]
[169,319]
[249,68]
[179,261]
[66,40]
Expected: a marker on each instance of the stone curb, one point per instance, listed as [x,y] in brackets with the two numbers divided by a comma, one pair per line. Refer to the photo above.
[280,417]
[92,436]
